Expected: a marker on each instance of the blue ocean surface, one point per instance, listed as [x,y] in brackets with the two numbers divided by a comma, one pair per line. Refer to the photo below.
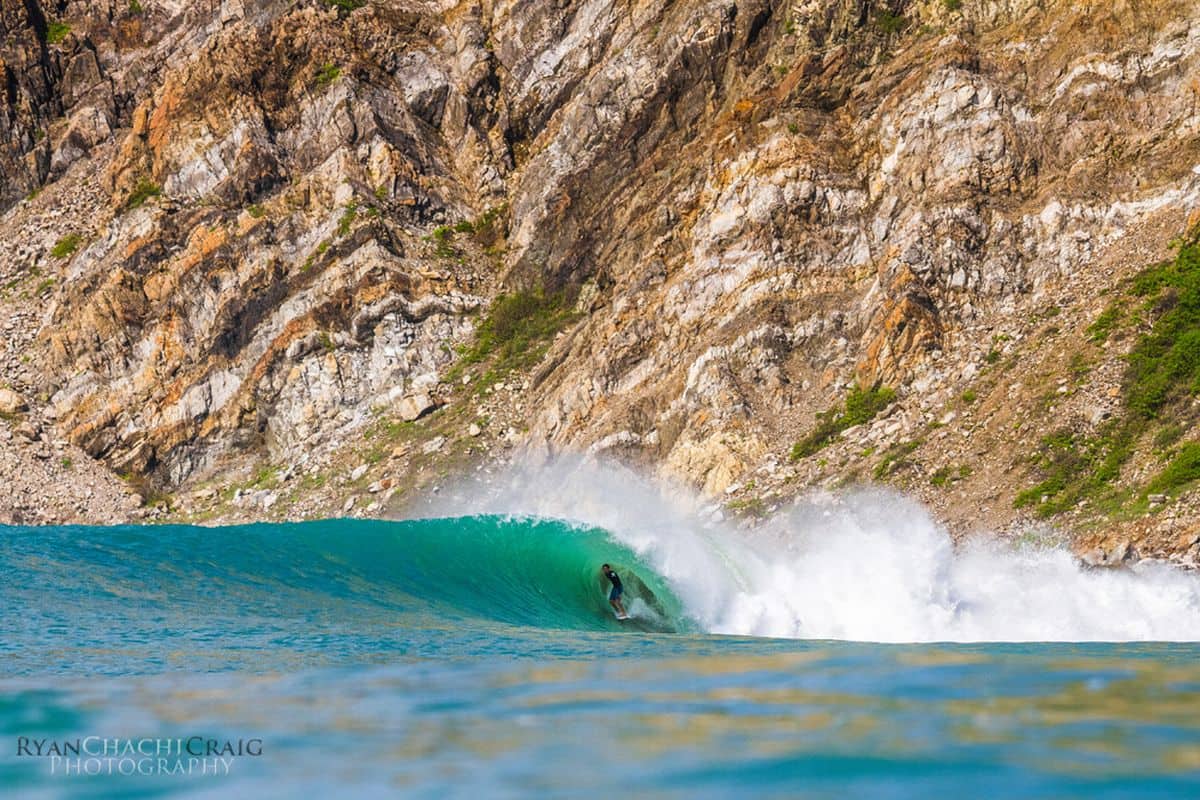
[477,657]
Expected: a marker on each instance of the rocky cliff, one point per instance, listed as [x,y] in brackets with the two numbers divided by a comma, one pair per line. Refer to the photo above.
[265,256]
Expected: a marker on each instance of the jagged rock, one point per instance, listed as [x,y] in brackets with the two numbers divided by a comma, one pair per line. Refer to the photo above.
[28,431]
[1120,554]
[415,406]
[748,210]
[11,402]
[433,445]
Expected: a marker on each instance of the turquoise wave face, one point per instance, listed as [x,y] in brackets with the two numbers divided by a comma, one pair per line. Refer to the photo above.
[90,591]
[478,656]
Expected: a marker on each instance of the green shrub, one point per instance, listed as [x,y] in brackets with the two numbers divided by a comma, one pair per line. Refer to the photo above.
[969,397]
[144,190]
[896,458]
[1167,436]
[1104,324]
[860,406]
[949,475]
[489,228]
[256,211]
[56,31]
[443,238]
[135,7]
[1183,469]
[347,220]
[345,6]
[66,246]
[1164,365]
[952,5]
[942,477]
[890,23]
[515,333]
[327,74]
[1078,468]
[1079,366]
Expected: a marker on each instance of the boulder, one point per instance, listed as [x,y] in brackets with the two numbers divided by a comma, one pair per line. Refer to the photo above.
[415,406]
[27,430]
[11,402]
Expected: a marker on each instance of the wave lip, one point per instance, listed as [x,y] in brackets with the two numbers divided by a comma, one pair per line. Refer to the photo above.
[867,565]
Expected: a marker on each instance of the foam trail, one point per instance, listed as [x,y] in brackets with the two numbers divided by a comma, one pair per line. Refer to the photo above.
[868,566]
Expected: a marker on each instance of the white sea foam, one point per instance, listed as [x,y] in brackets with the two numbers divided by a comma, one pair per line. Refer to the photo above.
[867,565]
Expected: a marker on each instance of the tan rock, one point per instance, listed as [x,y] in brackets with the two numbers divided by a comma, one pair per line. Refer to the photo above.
[415,406]
[11,402]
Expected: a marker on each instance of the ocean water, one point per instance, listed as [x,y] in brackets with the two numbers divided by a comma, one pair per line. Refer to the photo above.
[845,650]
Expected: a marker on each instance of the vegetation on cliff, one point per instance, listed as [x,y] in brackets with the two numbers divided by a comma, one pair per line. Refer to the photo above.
[515,333]
[1162,381]
[861,406]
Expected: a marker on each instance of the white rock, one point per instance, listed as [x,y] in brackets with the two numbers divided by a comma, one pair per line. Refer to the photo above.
[433,445]
[359,471]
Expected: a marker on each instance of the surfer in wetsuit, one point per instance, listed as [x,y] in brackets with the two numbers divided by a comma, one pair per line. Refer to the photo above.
[614,597]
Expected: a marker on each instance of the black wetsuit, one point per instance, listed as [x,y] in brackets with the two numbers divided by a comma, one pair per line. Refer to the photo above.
[617,589]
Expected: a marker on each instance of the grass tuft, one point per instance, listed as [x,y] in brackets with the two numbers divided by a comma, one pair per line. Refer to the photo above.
[144,190]
[327,74]
[347,220]
[66,246]
[56,31]
[860,406]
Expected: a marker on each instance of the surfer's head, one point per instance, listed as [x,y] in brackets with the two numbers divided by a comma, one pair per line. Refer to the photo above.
[605,567]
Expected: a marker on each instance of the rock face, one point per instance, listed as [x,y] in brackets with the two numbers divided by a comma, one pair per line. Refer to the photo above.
[288,212]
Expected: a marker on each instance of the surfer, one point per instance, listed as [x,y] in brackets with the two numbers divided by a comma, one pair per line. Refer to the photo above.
[614,597]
